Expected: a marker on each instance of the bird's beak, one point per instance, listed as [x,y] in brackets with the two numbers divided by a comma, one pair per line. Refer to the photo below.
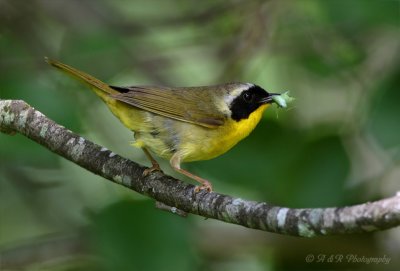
[269,99]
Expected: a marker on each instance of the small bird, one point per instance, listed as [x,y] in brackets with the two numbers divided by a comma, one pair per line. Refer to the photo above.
[182,124]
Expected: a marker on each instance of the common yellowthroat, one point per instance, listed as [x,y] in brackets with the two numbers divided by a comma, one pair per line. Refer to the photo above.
[182,124]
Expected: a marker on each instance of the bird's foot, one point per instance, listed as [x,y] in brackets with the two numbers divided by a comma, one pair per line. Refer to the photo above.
[204,186]
[154,167]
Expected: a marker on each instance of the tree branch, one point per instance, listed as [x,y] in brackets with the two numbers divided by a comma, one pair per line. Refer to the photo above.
[18,116]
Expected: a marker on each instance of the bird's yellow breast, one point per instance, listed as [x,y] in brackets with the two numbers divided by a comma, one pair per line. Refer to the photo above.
[204,144]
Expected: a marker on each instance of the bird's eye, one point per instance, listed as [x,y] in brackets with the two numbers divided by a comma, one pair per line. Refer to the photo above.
[248,97]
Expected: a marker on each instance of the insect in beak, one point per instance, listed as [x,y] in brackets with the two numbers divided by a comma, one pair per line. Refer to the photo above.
[282,100]
[270,98]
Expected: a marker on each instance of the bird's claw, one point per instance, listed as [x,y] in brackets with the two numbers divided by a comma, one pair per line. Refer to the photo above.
[147,171]
[205,186]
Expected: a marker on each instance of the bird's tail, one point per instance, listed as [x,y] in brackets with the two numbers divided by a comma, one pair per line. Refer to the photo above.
[100,88]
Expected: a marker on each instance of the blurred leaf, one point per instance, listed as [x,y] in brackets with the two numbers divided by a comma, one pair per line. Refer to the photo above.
[319,47]
[383,121]
[133,235]
[317,177]
[357,15]
[335,57]
[12,148]
[102,45]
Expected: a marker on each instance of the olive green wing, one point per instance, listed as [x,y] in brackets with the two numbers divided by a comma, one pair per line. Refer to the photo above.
[193,105]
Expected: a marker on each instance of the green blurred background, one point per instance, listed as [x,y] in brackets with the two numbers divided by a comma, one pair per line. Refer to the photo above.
[338,144]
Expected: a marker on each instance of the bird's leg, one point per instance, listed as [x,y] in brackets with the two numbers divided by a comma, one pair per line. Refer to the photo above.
[154,164]
[176,165]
